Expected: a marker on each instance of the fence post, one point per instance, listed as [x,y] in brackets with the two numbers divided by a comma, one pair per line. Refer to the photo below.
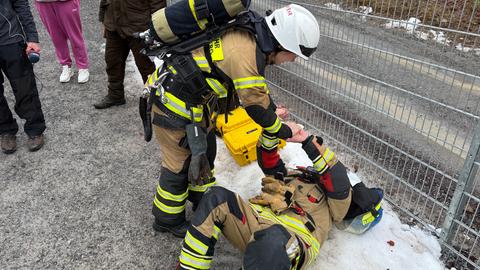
[464,184]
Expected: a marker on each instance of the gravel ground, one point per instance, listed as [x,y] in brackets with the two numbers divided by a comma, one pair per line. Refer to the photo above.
[84,200]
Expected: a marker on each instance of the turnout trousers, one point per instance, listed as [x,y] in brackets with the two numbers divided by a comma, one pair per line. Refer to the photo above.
[19,71]
[221,211]
[173,188]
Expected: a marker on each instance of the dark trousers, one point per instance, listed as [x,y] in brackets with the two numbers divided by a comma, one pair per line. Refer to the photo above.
[116,53]
[19,71]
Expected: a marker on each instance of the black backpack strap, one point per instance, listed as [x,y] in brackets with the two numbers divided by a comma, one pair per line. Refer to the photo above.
[222,76]
[201,9]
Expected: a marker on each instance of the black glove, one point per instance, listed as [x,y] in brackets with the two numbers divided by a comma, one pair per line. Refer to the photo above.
[199,171]
[145,110]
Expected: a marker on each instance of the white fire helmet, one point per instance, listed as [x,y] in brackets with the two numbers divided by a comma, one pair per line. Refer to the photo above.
[296,29]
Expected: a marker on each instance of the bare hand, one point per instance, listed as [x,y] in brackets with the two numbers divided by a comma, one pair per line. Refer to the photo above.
[281,112]
[294,127]
[299,137]
[32,46]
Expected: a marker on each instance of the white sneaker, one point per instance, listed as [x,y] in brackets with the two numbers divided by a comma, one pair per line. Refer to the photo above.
[67,73]
[83,75]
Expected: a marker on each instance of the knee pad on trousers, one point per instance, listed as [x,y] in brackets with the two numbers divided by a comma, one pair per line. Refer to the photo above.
[214,197]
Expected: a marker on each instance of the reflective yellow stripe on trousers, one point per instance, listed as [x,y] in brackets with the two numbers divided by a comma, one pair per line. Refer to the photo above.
[293,225]
[169,196]
[168,209]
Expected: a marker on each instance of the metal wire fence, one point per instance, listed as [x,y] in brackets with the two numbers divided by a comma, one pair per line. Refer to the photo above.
[400,99]
[394,88]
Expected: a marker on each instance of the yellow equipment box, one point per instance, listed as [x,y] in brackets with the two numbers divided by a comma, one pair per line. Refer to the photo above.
[236,118]
[241,135]
[241,142]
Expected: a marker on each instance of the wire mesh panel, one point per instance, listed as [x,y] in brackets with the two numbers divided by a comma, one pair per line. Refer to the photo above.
[398,98]
[394,88]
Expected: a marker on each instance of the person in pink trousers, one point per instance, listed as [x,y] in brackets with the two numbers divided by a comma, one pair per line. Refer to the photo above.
[61,18]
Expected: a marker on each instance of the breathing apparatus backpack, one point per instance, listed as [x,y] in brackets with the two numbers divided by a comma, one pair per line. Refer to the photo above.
[187,25]
[187,18]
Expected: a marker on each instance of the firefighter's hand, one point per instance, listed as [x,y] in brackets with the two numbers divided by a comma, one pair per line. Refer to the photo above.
[199,171]
[281,112]
[301,136]
[294,127]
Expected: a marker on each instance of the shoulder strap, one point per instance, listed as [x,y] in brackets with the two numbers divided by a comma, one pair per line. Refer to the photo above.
[222,76]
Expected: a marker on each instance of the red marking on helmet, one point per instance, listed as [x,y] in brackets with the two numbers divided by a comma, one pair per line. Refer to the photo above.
[289,11]
[244,220]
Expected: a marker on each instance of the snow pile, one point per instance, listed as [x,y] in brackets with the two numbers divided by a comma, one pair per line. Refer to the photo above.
[462,48]
[410,25]
[333,6]
[365,10]
[389,245]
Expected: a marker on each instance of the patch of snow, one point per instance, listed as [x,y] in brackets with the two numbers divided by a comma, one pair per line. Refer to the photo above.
[333,6]
[365,10]
[462,48]
[410,25]
[440,37]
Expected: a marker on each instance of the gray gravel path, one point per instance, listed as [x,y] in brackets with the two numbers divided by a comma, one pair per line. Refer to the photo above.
[84,200]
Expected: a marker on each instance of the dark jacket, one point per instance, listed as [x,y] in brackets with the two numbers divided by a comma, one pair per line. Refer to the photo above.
[15,14]
[128,16]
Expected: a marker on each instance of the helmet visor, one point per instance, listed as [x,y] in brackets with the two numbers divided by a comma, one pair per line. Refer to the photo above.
[307,51]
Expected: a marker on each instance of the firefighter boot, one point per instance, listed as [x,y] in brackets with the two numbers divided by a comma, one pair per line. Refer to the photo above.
[177,230]
[9,143]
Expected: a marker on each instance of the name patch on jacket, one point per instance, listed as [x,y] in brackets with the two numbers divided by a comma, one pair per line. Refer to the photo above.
[216,50]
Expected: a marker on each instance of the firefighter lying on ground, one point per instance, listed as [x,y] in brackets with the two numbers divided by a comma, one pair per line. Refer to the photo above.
[183,129]
[285,226]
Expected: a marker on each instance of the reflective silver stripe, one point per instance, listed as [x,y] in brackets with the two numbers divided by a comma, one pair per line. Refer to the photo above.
[169,196]
[197,255]
[268,143]
[321,165]
[195,244]
[191,260]
[328,155]
[172,103]
[217,87]
[275,127]
[202,188]
[248,84]
[168,209]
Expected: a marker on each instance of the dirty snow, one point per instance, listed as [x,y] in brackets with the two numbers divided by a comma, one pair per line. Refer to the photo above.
[410,26]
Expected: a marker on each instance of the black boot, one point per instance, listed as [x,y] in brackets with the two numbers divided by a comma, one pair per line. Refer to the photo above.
[9,143]
[108,102]
[35,142]
[177,230]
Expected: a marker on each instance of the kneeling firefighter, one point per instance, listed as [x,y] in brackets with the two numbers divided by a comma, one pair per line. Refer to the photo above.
[285,226]
[231,67]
